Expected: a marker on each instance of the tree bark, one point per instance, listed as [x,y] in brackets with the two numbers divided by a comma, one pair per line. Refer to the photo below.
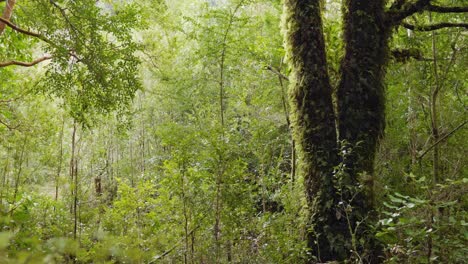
[361,89]
[340,201]
[59,167]
[361,112]
[4,181]
[313,124]
[19,165]
[7,12]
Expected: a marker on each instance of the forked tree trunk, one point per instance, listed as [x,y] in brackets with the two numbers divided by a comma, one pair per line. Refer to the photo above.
[339,203]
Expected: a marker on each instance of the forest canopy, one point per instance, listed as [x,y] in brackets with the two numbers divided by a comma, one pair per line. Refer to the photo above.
[233,131]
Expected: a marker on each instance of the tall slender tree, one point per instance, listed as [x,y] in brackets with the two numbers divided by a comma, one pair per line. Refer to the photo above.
[337,142]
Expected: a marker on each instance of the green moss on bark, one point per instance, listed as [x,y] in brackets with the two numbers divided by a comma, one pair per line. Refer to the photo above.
[313,122]
[335,231]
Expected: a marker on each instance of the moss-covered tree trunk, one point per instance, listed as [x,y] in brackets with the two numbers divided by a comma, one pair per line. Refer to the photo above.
[339,201]
[361,88]
[313,121]
[361,120]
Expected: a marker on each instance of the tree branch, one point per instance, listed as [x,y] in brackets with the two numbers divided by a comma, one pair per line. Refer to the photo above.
[177,244]
[433,27]
[64,15]
[400,11]
[447,9]
[36,35]
[8,126]
[277,72]
[403,55]
[25,64]
[442,139]
[26,32]
[397,4]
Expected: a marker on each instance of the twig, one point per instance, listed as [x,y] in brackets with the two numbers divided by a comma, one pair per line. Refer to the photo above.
[8,125]
[64,15]
[277,72]
[442,139]
[176,245]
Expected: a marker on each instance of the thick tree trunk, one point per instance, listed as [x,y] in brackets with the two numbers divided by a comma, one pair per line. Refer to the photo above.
[361,88]
[361,108]
[313,123]
[339,201]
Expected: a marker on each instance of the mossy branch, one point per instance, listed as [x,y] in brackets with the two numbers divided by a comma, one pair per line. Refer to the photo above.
[277,72]
[400,11]
[403,55]
[433,27]
[447,9]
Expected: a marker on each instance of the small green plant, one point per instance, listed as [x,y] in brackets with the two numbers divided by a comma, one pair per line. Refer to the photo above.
[425,229]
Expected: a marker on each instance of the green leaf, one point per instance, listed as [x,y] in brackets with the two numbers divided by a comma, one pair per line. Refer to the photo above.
[4,239]
[417,201]
[401,195]
[391,206]
[386,237]
[446,204]
[403,220]
[396,200]
[386,221]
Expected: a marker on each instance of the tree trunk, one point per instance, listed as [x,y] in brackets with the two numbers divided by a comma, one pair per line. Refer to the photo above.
[361,89]
[4,187]
[339,201]
[7,12]
[19,165]
[313,124]
[59,167]
[361,109]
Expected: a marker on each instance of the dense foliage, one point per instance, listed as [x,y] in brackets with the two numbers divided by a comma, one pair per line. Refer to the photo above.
[159,132]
